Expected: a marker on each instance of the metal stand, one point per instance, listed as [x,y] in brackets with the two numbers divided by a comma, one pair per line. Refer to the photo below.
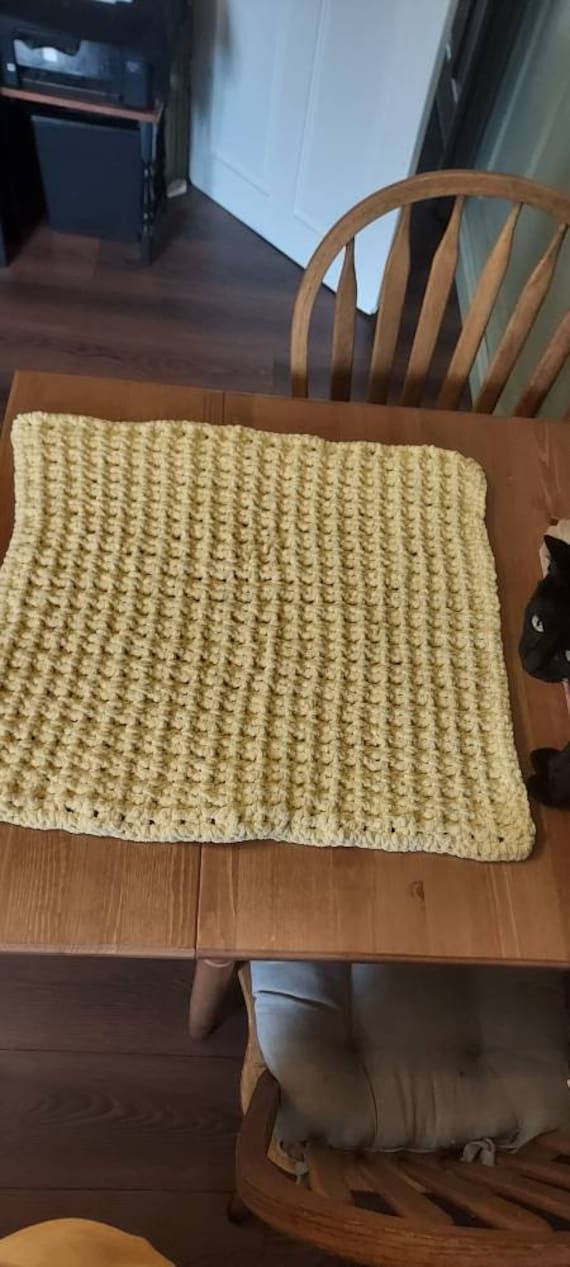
[151,194]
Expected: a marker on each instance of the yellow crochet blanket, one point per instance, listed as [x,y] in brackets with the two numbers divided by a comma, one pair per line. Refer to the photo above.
[216,633]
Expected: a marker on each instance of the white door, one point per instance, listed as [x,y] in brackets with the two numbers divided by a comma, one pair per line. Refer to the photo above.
[302,107]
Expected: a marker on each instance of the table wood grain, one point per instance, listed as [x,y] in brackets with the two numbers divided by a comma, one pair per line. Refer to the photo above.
[61,892]
[263,899]
[268,899]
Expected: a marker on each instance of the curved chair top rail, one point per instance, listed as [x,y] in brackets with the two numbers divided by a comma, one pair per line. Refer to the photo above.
[402,196]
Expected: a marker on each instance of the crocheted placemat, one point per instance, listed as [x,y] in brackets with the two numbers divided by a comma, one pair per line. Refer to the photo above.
[217,633]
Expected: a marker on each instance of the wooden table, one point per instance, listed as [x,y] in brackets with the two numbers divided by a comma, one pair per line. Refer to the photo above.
[80,893]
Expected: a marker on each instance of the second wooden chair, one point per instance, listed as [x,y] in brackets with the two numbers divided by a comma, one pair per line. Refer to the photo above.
[386,1053]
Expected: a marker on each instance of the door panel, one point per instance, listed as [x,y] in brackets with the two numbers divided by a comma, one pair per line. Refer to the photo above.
[302,108]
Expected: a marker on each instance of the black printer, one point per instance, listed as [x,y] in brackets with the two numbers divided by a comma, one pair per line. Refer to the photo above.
[116,51]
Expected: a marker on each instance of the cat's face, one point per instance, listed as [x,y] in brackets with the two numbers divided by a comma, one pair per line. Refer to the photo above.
[545,643]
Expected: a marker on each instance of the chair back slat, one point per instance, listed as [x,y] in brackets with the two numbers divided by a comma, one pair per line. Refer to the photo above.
[517,1187]
[327,1173]
[545,1171]
[402,197]
[375,1173]
[520,324]
[344,328]
[451,1185]
[556,1143]
[476,319]
[390,308]
[547,370]
[435,302]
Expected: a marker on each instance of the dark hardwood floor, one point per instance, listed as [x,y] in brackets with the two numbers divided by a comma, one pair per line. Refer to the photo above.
[106,1109]
[214,309]
[109,1111]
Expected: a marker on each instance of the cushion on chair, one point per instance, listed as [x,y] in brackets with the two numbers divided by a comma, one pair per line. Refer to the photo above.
[419,1056]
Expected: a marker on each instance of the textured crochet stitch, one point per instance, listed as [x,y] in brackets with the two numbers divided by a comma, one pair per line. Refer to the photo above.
[217,633]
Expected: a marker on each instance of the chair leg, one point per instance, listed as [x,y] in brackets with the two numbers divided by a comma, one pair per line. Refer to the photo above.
[237,1211]
[211,980]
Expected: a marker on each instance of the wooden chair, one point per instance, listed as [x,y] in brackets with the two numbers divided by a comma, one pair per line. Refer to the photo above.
[435,1211]
[449,184]
[390,1210]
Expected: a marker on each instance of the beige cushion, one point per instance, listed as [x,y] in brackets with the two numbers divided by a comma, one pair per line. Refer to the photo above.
[389,1056]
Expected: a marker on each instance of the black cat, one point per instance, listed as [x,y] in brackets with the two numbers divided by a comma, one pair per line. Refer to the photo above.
[545,644]
[551,781]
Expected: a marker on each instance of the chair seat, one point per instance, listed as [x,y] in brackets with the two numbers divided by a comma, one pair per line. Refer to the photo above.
[421,1057]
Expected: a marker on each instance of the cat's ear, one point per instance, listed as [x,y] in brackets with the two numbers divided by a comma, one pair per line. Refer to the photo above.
[559,552]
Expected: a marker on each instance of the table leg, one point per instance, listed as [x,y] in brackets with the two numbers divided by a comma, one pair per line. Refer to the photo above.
[211,980]
[237,1211]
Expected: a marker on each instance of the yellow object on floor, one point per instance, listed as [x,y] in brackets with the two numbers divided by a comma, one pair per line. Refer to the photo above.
[77,1243]
[217,633]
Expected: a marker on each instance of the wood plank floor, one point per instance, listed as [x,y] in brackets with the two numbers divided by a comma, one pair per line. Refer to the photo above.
[106,1109]
[213,310]
[109,1111]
